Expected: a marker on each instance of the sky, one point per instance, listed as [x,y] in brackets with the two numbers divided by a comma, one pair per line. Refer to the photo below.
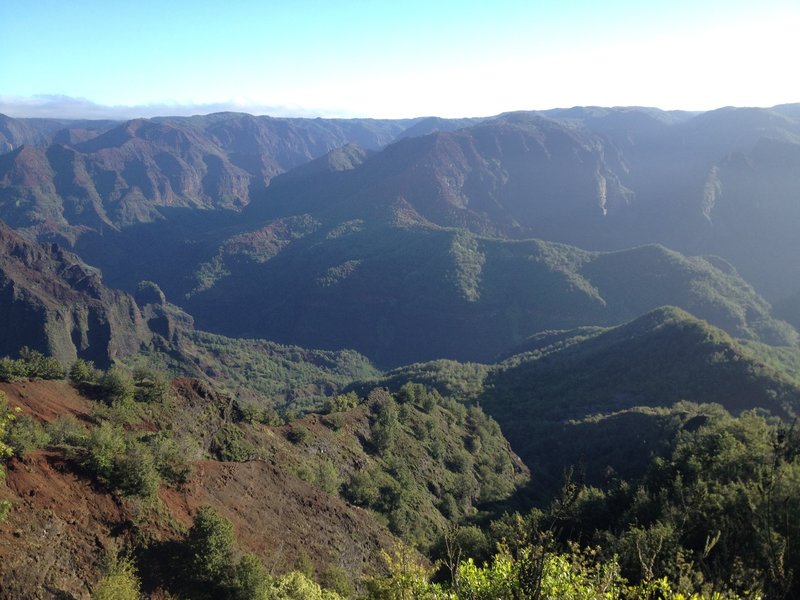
[362,58]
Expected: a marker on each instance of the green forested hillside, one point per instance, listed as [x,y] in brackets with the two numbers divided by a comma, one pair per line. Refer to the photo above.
[151,456]
[639,501]
[590,380]
[261,372]
[412,293]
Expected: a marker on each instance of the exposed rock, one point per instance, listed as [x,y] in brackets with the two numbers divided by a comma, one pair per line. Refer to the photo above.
[52,302]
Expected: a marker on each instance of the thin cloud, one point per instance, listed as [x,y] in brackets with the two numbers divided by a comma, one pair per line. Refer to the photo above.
[67,107]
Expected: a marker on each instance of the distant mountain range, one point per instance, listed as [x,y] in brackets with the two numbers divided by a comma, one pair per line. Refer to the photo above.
[417,239]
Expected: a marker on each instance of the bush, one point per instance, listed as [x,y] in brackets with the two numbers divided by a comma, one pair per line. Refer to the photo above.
[31,364]
[229,444]
[104,444]
[134,472]
[67,431]
[173,458]
[386,425]
[363,489]
[340,403]
[26,435]
[13,370]
[150,386]
[328,478]
[250,579]
[335,578]
[83,373]
[335,421]
[41,366]
[210,545]
[7,418]
[5,508]
[460,462]
[298,435]
[116,387]
[252,413]
[119,583]
[296,586]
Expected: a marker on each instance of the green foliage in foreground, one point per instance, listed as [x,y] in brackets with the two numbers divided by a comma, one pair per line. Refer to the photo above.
[530,572]
[717,508]
[681,502]
[7,417]
[120,582]
[31,364]
[208,564]
[713,512]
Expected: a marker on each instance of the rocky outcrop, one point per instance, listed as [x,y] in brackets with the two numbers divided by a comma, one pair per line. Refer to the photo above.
[52,302]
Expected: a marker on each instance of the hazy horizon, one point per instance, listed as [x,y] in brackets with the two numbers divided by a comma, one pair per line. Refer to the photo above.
[66,108]
[91,59]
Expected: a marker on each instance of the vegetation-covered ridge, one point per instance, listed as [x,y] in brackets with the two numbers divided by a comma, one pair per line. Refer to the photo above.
[708,512]
[434,293]
[539,396]
[55,304]
[148,455]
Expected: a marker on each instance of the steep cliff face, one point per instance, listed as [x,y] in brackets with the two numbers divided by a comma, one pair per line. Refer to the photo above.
[62,179]
[52,302]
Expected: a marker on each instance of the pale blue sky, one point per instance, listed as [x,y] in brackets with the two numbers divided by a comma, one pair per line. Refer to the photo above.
[392,59]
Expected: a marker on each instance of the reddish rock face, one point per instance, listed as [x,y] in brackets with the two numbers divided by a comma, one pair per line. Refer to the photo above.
[54,303]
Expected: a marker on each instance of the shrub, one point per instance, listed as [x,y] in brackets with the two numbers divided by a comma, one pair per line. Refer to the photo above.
[83,373]
[67,431]
[122,464]
[41,366]
[134,472]
[7,417]
[26,435]
[386,425]
[150,386]
[252,413]
[459,462]
[116,387]
[340,403]
[429,401]
[363,489]
[335,578]
[407,578]
[12,370]
[31,364]
[229,444]
[119,583]
[298,435]
[210,545]
[297,586]
[335,421]
[328,478]
[104,444]
[173,458]
[250,579]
